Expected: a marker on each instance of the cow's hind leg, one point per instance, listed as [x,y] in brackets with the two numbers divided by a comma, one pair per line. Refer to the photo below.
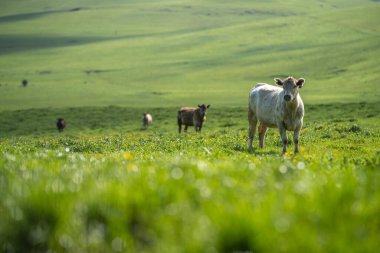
[252,121]
[262,130]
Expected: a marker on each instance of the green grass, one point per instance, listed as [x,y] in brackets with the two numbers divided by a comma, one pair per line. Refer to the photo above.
[107,185]
[113,119]
[80,202]
[171,53]
[115,187]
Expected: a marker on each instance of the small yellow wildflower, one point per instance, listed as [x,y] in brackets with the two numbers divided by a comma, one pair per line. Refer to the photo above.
[127,156]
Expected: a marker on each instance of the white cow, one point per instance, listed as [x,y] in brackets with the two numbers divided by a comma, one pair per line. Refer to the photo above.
[147,119]
[276,107]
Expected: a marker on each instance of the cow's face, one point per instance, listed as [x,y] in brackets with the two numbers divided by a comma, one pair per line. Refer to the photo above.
[202,109]
[290,86]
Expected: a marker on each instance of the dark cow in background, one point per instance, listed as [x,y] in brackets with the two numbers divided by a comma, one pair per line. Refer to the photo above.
[277,107]
[61,124]
[190,116]
[24,83]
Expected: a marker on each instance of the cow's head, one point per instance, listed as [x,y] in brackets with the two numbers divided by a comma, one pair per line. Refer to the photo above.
[290,86]
[202,109]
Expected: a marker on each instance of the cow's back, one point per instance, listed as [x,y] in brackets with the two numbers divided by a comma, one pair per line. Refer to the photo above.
[263,100]
[147,119]
[186,115]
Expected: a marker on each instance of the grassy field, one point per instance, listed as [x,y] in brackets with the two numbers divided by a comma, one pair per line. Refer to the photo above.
[172,53]
[107,185]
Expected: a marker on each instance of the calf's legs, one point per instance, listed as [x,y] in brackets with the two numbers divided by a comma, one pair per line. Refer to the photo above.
[252,121]
[262,131]
[179,121]
[296,136]
[284,139]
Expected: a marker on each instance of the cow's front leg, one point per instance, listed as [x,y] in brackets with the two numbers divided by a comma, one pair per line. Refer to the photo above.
[185,128]
[283,138]
[295,138]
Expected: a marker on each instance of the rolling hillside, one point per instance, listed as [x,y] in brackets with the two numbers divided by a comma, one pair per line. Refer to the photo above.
[171,53]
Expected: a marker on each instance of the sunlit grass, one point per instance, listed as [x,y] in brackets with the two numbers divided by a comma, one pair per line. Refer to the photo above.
[143,193]
[110,53]
[157,191]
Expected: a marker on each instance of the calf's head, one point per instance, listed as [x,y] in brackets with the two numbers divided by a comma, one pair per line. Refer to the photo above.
[202,110]
[290,86]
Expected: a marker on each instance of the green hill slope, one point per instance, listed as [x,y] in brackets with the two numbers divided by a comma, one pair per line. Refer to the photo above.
[172,53]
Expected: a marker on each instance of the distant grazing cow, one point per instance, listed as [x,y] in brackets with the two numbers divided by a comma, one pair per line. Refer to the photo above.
[147,119]
[189,116]
[276,107]
[61,124]
[24,83]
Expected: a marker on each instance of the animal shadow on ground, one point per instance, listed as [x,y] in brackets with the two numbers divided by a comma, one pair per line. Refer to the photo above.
[260,152]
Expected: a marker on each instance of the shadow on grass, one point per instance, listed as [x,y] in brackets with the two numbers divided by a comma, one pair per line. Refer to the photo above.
[258,151]
[261,152]
[26,16]
[20,43]
[10,43]
[33,15]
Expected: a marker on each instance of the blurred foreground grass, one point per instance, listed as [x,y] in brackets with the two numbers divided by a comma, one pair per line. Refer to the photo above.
[149,192]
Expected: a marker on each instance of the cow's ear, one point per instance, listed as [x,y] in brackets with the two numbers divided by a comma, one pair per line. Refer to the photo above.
[278,81]
[208,106]
[199,106]
[300,82]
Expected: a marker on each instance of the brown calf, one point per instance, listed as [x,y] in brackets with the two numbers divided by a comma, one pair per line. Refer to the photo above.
[189,116]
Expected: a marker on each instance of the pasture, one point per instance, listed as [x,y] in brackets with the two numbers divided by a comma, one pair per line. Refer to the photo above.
[107,188]
[171,53]
[105,184]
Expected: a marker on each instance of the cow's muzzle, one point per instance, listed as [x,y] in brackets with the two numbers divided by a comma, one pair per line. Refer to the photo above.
[287,97]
